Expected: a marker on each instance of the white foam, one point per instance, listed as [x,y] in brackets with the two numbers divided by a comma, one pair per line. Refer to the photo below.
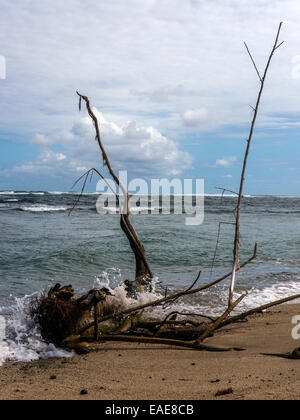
[23,341]
[43,208]
[257,297]
[21,193]
[133,209]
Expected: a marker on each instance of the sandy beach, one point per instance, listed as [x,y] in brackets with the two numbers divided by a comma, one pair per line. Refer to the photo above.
[125,371]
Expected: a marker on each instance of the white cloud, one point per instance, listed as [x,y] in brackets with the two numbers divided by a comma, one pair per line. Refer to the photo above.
[166,93]
[227,176]
[41,140]
[148,61]
[296,67]
[177,53]
[195,117]
[225,162]
[48,163]
[139,149]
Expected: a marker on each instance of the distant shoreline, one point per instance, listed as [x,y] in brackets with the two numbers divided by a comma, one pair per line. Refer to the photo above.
[39,192]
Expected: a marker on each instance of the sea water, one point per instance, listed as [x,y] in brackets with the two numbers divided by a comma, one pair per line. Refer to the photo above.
[41,244]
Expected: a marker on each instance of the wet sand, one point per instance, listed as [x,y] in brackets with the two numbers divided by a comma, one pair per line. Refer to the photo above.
[118,371]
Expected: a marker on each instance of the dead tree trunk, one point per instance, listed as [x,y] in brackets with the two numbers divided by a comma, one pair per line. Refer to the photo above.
[236,248]
[142,269]
[143,273]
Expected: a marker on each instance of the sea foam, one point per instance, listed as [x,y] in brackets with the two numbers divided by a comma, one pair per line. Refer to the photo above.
[43,208]
[22,341]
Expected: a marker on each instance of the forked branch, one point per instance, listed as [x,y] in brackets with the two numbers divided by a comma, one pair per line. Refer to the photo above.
[171,297]
[236,247]
[143,270]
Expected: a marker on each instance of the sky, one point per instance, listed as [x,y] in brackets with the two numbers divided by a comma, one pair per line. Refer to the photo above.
[170,81]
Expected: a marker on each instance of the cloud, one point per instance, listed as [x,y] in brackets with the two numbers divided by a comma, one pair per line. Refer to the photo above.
[49,164]
[166,93]
[41,140]
[225,162]
[227,176]
[195,117]
[142,150]
[171,51]
[148,61]
[296,67]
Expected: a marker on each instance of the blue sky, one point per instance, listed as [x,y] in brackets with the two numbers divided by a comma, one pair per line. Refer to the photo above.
[171,83]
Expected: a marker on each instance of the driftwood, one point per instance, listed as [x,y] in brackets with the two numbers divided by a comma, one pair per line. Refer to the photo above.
[236,247]
[143,270]
[177,295]
[218,322]
[59,314]
[295,355]
[169,342]
[56,328]
[79,323]
[260,309]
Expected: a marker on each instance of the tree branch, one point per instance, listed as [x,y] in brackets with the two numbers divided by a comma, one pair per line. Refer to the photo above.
[256,69]
[177,295]
[236,247]
[258,310]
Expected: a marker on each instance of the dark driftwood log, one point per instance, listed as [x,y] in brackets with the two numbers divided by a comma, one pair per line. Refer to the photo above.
[164,341]
[185,334]
[60,315]
[61,292]
[143,270]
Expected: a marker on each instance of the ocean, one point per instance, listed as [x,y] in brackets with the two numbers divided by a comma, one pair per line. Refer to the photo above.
[42,244]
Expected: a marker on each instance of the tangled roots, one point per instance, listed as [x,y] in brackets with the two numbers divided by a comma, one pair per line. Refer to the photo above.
[58,318]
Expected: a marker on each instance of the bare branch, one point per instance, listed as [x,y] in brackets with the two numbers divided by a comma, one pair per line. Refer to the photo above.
[254,64]
[85,176]
[226,190]
[143,270]
[187,290]
[169,342]
[236,246]
[177,295]
[217,244]
[279,45]
[183,314]
[258,310]
[218,322]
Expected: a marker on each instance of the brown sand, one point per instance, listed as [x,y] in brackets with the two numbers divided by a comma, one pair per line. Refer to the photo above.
[137,371]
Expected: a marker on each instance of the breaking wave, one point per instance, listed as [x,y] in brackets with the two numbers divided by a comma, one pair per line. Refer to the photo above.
[23,342]
[22,338]
[43,208]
